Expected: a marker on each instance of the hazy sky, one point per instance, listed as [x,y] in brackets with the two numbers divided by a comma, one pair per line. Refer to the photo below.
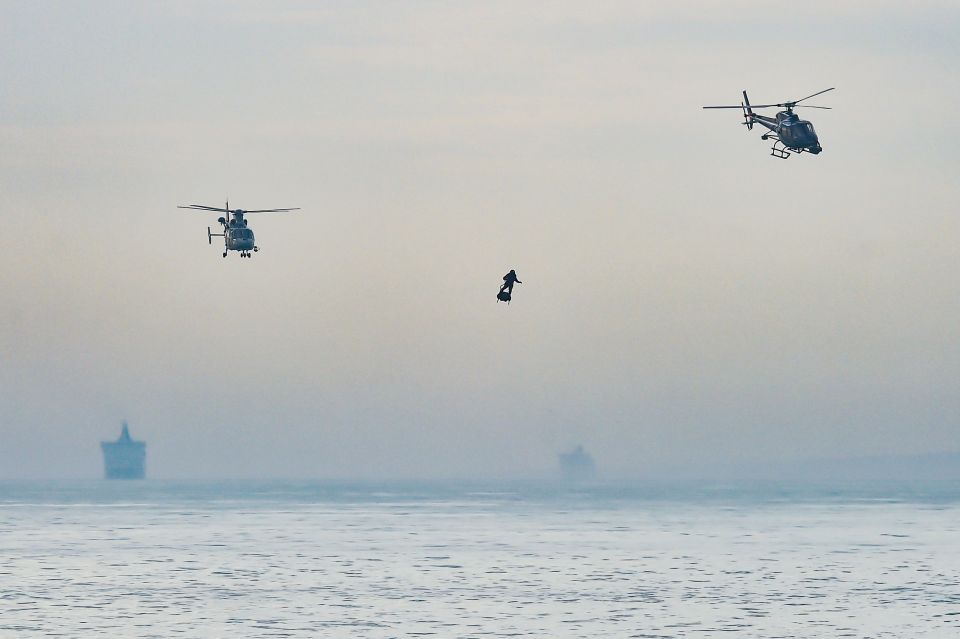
[687,300]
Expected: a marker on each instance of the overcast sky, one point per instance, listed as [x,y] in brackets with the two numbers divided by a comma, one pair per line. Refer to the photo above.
[687,300]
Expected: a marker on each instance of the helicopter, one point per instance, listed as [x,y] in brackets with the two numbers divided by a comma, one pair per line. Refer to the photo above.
[788,131]
[236,235]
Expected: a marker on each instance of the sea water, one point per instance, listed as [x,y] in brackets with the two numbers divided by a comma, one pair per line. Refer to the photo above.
[321,559]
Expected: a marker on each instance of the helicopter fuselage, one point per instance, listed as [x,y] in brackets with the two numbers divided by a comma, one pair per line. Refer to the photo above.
[237,236]
[238,239]
[794,133]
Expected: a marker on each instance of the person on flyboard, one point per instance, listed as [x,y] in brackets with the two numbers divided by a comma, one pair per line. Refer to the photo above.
[507,289]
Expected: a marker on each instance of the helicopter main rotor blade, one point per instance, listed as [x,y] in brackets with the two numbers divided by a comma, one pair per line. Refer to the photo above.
[789,105]
[272,210]
[817,93]
[810,106]
[740,106]
[200,207]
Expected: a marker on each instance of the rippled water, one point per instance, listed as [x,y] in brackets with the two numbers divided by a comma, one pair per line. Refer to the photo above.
[270,559]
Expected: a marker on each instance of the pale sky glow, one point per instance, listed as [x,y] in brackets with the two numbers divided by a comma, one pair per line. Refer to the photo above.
[686,300]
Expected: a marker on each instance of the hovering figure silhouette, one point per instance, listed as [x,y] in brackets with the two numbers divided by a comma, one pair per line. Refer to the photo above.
[507,289]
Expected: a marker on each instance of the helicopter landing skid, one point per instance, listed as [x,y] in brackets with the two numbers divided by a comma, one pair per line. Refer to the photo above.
[779,150]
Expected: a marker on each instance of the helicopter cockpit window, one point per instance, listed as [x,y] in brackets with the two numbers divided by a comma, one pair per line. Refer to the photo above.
[242,234]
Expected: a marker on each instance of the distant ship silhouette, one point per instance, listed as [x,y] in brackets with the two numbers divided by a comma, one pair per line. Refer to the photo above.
[124,458]
[577,465]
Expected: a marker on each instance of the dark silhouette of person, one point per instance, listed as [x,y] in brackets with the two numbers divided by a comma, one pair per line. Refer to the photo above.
[508,281]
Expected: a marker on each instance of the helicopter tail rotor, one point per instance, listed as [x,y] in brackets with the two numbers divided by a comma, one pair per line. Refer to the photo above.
[747,111]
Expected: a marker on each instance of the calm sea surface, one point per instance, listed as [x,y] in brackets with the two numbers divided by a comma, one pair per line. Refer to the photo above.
[312,559]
